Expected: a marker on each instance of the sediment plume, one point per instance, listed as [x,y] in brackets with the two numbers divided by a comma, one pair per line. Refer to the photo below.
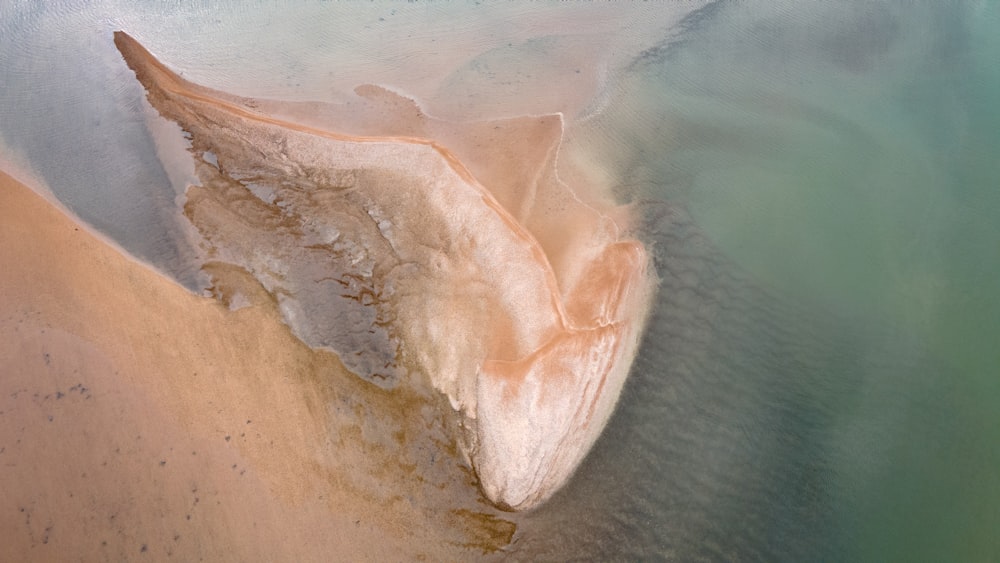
[415,248]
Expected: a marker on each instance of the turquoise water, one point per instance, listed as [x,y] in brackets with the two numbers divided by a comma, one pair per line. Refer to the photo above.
[863,177]
[833,173]
[821,187]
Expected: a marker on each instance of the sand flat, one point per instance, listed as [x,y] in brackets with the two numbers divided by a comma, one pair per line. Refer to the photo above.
[526,314]
[138,418]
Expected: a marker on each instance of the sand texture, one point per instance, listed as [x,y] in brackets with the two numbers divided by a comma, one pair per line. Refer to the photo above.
[523,304]
[137,418]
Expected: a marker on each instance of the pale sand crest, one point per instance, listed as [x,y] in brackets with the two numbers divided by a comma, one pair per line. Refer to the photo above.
[524,306]
[136,417]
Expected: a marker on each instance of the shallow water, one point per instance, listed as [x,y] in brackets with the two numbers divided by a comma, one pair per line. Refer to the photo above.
[818,380]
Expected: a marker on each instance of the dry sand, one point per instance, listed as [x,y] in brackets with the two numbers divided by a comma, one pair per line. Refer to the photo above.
[137,419]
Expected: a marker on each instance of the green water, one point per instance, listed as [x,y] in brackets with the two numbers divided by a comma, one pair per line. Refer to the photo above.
[849,157]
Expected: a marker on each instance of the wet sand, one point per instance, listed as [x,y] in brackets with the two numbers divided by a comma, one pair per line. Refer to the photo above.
[519,298]
[137,418]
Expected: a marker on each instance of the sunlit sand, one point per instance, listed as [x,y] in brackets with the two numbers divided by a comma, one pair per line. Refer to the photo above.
[139,419]
[520,299]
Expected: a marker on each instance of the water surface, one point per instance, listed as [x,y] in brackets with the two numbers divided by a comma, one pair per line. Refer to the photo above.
[819,377]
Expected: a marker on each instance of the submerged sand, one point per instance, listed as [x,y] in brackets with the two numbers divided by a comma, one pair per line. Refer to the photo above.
[137,418]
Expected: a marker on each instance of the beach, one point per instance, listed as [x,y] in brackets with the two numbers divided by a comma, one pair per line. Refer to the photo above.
[139,418]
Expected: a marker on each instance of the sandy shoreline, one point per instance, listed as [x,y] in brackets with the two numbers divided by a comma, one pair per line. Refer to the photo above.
[139,418]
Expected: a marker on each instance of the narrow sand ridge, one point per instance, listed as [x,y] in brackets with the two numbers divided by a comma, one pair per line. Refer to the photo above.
[524,306]
[137,419]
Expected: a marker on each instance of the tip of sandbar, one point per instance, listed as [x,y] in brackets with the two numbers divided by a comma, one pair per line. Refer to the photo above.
[125,41]
[150,72]
[131,50]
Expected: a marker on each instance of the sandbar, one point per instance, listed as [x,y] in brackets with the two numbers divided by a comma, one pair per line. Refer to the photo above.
[518,298]
[139,419]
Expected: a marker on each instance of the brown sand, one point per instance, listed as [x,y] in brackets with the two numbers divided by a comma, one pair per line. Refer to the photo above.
[138,420]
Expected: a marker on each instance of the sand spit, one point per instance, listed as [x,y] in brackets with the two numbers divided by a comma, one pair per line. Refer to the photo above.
[136,418]
[522,305]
